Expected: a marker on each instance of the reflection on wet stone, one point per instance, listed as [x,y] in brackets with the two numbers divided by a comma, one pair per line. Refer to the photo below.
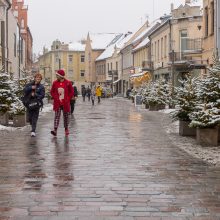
[117,164]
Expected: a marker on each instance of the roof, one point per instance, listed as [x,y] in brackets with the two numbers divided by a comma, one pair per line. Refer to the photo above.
[195,3]
[101,40]
[77,46]
[147,31]
[142,44]
[118,42]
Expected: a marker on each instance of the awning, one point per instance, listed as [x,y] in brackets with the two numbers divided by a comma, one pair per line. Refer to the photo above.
[139,78]
[137,74]
[116,81]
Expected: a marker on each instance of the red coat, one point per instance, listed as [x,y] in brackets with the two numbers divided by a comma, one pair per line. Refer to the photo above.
[68,94]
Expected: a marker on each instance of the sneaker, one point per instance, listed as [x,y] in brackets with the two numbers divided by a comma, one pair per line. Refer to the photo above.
[67,132]
[54,133]
[33,134]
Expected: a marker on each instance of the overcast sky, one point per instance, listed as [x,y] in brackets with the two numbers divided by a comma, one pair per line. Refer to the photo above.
[70,20]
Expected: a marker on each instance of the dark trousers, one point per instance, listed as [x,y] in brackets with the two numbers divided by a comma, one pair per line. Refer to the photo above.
[33,118]
[99,99]
[72,105]
[89,98]
[84,98]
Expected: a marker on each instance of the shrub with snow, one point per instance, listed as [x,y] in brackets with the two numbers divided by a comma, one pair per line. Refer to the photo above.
[185,99]
[207,109]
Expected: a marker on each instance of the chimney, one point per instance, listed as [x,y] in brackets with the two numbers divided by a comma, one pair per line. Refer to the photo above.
[187,1]
[171,7]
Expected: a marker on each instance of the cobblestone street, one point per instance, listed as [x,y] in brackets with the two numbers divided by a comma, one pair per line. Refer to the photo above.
[117,164]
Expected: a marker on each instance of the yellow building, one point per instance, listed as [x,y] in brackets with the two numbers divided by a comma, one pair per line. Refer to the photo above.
[70,57]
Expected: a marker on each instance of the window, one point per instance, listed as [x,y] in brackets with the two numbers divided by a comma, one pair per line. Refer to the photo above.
[70,58]
[15,45]
[82,58]
[161,53]
[183,40]
[116,65]
[108,67]
[82,73]
[165,46]
[206,22]
[70,73]
[158,50]
[152,51]
[111,66]
[212,18]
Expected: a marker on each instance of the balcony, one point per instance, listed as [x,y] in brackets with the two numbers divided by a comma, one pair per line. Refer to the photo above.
[193,46]
[183,59]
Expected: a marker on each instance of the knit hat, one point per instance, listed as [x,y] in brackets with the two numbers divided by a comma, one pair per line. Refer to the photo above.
[60,73]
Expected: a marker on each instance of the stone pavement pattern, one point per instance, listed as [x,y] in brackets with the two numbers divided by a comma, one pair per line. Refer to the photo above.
[117,163]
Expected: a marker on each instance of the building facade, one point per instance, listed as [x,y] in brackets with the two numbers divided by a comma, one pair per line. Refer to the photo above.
[70,57]
[176,45]
[21,13]
[5,6]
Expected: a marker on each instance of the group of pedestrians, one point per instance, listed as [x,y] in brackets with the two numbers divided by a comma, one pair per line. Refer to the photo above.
[64,94]
[92,93]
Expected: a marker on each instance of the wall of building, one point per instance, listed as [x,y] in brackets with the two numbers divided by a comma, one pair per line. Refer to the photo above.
[208,32]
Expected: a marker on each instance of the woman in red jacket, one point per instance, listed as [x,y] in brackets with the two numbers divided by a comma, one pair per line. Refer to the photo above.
[62,92]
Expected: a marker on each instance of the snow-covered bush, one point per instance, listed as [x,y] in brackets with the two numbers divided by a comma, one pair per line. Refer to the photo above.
[158,93]
[207,109]
[185,99]
[17,107]
[6,94]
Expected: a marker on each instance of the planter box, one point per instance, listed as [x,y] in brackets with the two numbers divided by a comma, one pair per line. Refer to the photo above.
[207,136]
[19,120]
[4,118]
[185,130]
[146,106]
[156,107]
[219,134]
[161,106]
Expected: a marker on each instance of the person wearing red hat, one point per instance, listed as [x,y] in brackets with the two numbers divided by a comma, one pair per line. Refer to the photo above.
[62,92]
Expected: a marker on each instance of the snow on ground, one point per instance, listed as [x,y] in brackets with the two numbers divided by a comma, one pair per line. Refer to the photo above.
[47,108]
[208,154]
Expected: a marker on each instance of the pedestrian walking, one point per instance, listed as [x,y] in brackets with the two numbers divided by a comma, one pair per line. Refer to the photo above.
[83,91]
[88,92]
[62,92]
[99,93]
[34,93]
[93,95]
[73,100]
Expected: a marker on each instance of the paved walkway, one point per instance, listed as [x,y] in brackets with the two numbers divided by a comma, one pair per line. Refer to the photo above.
[117,164]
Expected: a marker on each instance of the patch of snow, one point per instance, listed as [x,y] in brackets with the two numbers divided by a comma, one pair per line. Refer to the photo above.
[77,46]
[101,41]
[167,111]
[209,154]
[47,108]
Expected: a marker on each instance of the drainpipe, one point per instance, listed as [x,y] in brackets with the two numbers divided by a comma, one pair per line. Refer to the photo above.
[172,56]
[9,6]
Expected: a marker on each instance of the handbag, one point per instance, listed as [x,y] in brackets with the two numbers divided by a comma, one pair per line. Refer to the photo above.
[34,104]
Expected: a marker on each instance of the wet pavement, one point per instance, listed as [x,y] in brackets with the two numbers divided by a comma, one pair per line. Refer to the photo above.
[117,164]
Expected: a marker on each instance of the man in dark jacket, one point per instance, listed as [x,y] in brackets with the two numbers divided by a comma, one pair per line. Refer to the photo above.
[73,100]
[34,93]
